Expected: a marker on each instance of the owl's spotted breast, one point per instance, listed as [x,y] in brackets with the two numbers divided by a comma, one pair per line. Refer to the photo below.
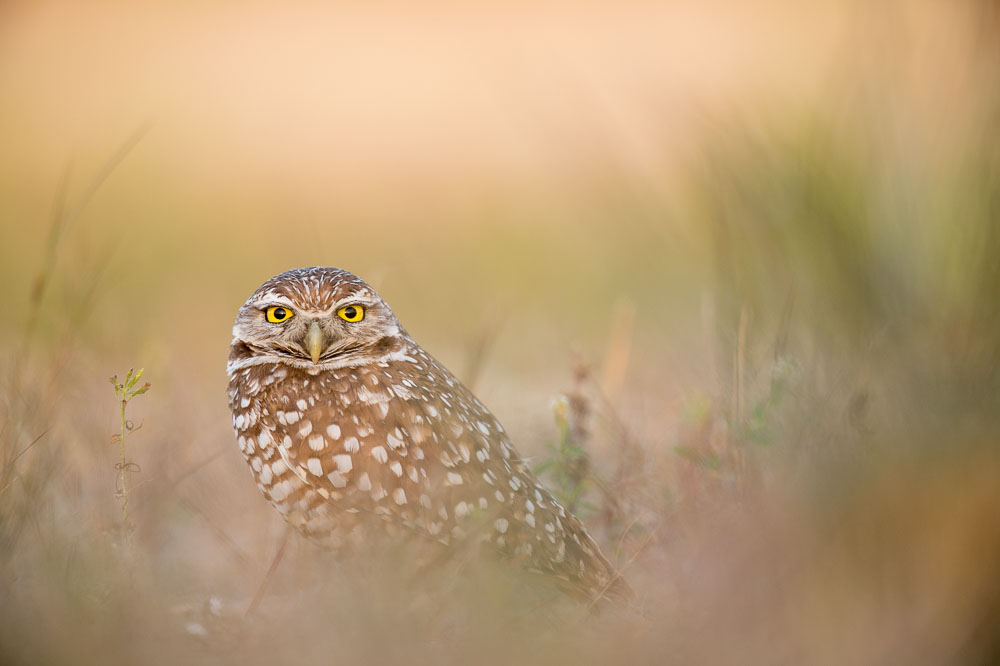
[385,435]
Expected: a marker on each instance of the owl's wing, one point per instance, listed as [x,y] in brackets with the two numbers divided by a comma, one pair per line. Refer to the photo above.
[406,441]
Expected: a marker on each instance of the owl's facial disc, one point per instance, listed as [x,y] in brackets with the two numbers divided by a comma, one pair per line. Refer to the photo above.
[316,318]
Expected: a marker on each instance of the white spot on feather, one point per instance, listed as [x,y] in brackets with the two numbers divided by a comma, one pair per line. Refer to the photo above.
[343,462]
[315,466]
[279,491]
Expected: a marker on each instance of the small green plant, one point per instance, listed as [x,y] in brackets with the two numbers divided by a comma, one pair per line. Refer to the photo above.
[746,430]
[758,427]
[124,392]
[567,464]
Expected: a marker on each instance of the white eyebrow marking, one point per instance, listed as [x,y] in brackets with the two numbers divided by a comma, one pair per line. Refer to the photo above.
[275,299]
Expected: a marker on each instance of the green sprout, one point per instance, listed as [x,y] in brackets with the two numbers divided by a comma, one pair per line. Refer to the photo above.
[124,392]
[567,464]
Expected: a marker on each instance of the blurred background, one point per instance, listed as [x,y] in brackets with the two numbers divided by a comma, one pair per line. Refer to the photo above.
[727,271]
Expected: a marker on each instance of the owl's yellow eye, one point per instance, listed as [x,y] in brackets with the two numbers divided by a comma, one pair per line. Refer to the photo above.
[278,313]
[351,313]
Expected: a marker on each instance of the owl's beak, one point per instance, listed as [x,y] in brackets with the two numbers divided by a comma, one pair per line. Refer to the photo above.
[315,341]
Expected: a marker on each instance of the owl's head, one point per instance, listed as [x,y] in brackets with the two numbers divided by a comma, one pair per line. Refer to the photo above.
[316,316]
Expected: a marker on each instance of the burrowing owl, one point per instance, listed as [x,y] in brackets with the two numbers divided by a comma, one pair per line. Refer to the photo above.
[347,423]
